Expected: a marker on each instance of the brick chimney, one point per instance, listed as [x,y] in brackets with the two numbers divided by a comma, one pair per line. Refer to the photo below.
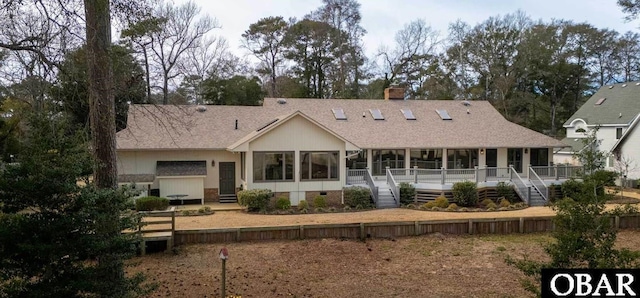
[394,93]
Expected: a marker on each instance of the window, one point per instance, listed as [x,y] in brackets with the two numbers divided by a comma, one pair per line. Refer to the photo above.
[359,161]
[272,166]
[408,114]
[392,158]
[319,165]
[444,115]
[600,101]
[426,158]
[618,133]
[376,114]
[462,158]
[539,157]
[339,114]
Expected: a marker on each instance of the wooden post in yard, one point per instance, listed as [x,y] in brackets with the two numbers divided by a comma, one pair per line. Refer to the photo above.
[224,255]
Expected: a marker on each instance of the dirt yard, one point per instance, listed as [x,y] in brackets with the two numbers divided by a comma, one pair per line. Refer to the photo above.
[428,266]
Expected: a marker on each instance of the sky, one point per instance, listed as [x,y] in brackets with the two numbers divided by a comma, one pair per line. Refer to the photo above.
[383,18]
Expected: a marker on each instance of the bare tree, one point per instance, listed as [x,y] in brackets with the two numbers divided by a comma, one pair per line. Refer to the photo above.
[623,165]
[182,29]
[415,49]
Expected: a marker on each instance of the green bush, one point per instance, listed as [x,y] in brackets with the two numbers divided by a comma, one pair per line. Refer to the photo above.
[452,207]
[319,202]
[255,199]
[465,193]
[303,205]
[492,206]
[505,190]
[486,202]
[346,208]
[407,193]
[319,210]
[151,203]
[283,203]
[358,195]
[600,179]
[505,203]
[429,205]
[582,191]
[441,202]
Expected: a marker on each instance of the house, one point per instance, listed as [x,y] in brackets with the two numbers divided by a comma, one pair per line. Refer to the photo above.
[308,147]
[615,109]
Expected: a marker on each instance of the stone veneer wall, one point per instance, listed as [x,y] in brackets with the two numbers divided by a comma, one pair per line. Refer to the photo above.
[211,195]
[333,197]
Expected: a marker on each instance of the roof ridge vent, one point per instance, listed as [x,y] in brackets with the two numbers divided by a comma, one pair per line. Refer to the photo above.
[610,86]
[466,103]
[638,84]
[624,85]
[201,108]
[281,101]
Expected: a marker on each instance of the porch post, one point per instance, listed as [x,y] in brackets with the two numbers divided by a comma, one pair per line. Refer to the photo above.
[555,172]
[415,174]
[528,171]
[442,175]
[475,172]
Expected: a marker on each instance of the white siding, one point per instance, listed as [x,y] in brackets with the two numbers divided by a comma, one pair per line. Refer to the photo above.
[631,151]
[297,134]
[192,187]
[144,162]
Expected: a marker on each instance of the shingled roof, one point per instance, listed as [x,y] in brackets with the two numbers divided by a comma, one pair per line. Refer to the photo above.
[619,104]
[477,125]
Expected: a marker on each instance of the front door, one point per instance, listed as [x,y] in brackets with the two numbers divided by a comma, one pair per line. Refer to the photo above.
[514,157]
[227,178]
[492,158]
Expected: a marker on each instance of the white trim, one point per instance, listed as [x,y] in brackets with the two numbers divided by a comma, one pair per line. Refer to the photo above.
[628,131]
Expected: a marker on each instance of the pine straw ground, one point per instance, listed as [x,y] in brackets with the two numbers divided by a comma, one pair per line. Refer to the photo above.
[427,266]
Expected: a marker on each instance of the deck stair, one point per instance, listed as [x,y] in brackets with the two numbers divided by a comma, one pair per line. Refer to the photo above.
[385,198]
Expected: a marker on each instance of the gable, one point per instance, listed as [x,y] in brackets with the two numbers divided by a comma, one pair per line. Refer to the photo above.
[298,133]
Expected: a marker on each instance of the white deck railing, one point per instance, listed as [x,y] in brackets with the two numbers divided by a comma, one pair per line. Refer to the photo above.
[393,185]
[449,176]
[538,184]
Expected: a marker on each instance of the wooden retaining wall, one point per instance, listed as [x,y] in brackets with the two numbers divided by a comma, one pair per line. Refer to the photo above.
[426,195]
[384,229]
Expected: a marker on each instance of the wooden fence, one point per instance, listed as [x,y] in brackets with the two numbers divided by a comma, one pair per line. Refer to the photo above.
[384,229]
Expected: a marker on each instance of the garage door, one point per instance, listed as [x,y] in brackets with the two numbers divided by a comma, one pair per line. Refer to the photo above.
[192,187]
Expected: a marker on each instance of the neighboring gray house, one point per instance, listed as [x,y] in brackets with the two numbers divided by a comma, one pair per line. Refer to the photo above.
[616,109]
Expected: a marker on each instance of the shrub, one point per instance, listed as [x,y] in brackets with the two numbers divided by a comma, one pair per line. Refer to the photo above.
[505,190]
[332,209]
[492,206]
[486,202]
[505,203]
[464,209]
[255,199]
[201,211]
[407,193]
[283,203]
[572,188]
[452,207]
[304,211]
[319,210]
[441,202]
[319,202]
[436,209]
[465,193]
[411,206]
[359,207]
[425,206]
[303,205]
[346,208]
[186,212]
[151,203]
[429,204]
[207,208]
[357,195]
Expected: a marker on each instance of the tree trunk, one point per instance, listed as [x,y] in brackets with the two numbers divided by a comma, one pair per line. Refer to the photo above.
[101,94]
[147,76]
[103,130]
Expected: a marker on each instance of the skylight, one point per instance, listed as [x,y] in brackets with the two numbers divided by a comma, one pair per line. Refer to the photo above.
[443,114]
[600,101]
[339,114]
[408,114]
[376,114]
